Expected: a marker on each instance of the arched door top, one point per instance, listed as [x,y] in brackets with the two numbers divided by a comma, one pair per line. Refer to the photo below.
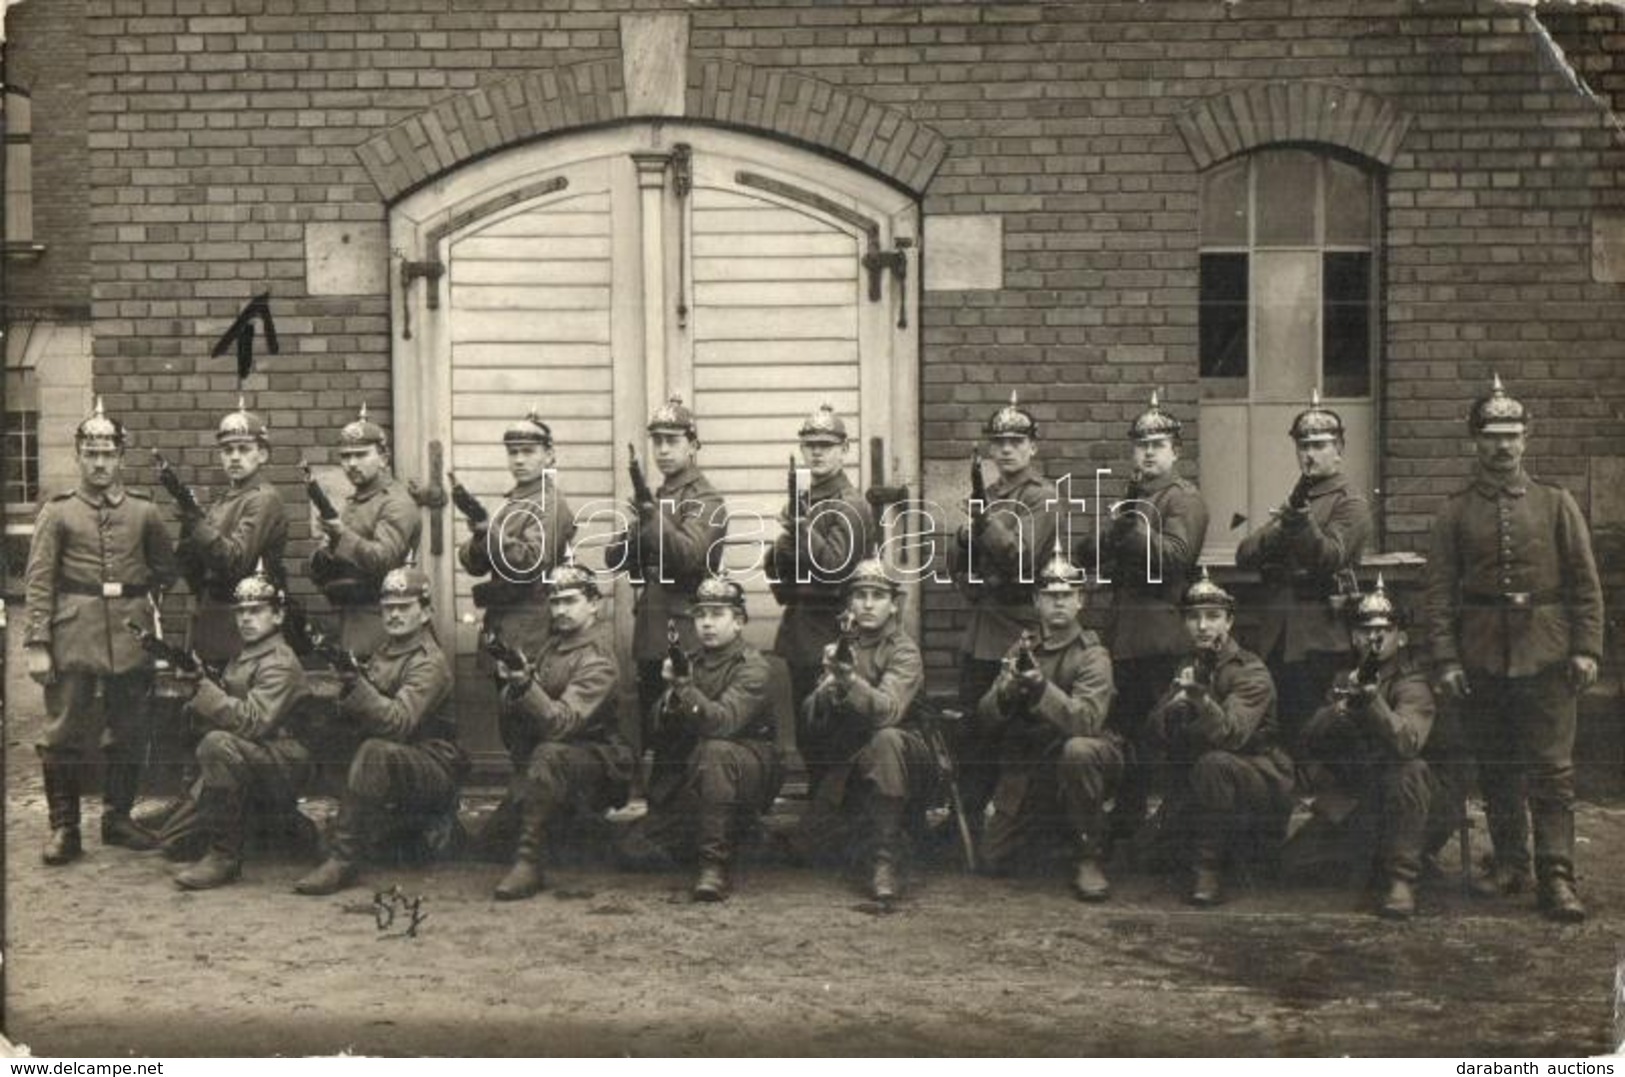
[795,108]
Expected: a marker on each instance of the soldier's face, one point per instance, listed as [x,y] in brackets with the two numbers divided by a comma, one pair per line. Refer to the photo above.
[1320,459]
[403,619]
[257,622]
[1208,627]
[242,460]
[717,626]
[1057,609]
[1154,458]
[361,465]
[527,462]
[1386,640]
[99,468]
[672,452]
[1500,452]
[572,611]
[871,608]
[823,458]
[1012,455]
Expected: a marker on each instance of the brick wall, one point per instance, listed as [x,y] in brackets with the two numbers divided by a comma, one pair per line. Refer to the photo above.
[219,128]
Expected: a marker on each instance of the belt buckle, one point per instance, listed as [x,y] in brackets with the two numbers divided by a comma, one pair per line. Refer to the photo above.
[112,590]
[1518,600]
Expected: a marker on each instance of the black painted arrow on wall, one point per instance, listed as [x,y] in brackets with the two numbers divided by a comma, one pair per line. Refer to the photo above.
[242,331]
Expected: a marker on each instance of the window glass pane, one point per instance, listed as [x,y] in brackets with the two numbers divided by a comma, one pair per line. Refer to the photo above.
[1287,346]
[1222,325]
[1224,206]
[1348,317]
[1348,205]
[1287,197]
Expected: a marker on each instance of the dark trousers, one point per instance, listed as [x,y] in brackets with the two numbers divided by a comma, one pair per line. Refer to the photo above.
[1224,803]
[894,765]
[391,788]
[272,774]
[1398,807]
[1062,798]
[84,711]
[1301,687]
[1140,683]
[719,788]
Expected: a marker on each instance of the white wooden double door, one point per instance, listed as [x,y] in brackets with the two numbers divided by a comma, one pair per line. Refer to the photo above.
[596,275]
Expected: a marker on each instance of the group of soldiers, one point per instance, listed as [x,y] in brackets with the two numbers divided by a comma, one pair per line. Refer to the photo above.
[1063,734]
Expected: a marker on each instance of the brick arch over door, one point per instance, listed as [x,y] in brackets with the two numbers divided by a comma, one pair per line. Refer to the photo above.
[807,111]
[1229,124]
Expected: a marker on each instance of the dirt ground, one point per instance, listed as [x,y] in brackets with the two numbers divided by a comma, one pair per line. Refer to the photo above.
[107,957]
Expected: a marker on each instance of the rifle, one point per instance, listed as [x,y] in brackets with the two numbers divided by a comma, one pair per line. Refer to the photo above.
[936,740]
[341,658]
[177,489]
[641,494]
[978,489]
[492,644]
[1365,675]
[1298,500]
[843,642]
[317,495]
[680,664]
[467,504]
[179,658]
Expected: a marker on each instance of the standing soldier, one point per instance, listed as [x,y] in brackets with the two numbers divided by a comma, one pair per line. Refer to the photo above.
[405,773]
[248,752]
[860,718]
[1230,783]
[823,537]
[372,535]
[1306,555]
[673,545]
[1151,552]
[1047,713]
[995,563]
[519,545]
[1365,756]
[716,722]
[1515,621]
[558,724]
[100,557]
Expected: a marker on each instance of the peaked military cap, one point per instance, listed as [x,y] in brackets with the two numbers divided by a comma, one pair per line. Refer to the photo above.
[1498,413]
[99,431]
[242,425]
[1205,594]
[823,427]
[1154,422]
[1316,423]
[1011,421]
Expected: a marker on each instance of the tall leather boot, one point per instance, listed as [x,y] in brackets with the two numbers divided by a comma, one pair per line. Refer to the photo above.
[1554,861]
[1089,881]
[1508,871]
[62,807]
[524,879]
[123,779]
[340,868]
[222,814]
[886,815]
[716,852]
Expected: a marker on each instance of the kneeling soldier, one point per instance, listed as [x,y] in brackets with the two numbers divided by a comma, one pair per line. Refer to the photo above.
[559,725]
[1229,781]
[409,764]
[860,717]
[247,751]
[716,715]
[1046,714]
[1362,753]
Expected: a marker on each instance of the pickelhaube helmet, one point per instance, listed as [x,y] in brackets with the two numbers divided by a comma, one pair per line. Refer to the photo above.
[569,576]
[242,425]
[1497,413]
[363,431]
[673,417]
[1154,422]
[1317,423]
[1204,593]
[871,573]
[98,431]
[529,431]
[823,427]
[1377,610]
[406,584]
[720,590]
[1011,421]
[1059,575]
[256,589]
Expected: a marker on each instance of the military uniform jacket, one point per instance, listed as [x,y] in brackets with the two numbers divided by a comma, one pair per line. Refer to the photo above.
[258,692]
[242,525]
[888,673]
[1004,557]
[525,539]
[1299,555]
[381,524]
[85,544]
[1147,621]
[1394,727]
[1511,582]
[1237,715]
[403,692]
[725,699]
[1076,700]
[571,694]
[838,533]
[681,543]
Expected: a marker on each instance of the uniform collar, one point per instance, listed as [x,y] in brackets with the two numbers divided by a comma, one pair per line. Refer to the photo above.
[686,477]
[575,641]
[1063,639]
[1329,484]
[394,648]
[1004,485]
[833,486]
[378,486]
[1161,483]
[112,496]
[721,654]
[525,489]
[887,631]
[1491,484]
[260,648]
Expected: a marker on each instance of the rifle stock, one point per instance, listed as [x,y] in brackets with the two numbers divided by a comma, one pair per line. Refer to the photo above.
[172,483]
[467,504]
[978,488]
[178,658]
[317,495]
[680,664]
[640,484]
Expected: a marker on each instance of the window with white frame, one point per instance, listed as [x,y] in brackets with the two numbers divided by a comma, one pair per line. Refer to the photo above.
[21,479]
[17,120]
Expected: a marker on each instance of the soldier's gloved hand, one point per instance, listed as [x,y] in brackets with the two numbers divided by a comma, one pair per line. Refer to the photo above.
[40,666]
[515,679]
[841,673]
[1453,682]
[1582,671]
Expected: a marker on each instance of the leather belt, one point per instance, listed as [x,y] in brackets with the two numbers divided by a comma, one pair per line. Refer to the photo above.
[102,590]
[1512,600]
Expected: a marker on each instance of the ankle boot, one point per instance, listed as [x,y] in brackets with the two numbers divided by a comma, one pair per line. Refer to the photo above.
[524,879]
[1398,901]
[123,779]
[1554,862]
[339,870]
[716,852]
[222,814]
[62,807]
[886,814]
